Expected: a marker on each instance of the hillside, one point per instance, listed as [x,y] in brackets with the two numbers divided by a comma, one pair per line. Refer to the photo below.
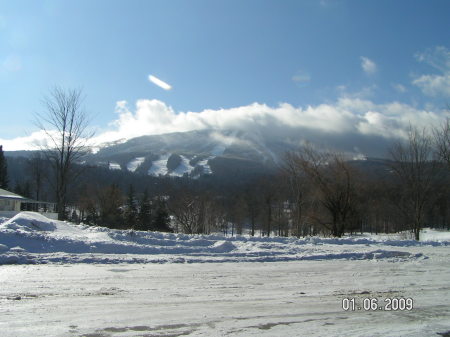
[224,153]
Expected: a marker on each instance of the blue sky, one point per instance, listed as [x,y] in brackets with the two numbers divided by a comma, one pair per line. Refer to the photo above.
[221,57]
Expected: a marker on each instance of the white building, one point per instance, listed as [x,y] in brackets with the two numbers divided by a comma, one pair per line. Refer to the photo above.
[11,204]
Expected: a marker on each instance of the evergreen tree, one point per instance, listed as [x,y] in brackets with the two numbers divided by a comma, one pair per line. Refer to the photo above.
[131,210]
[91,212]
[3,170]
[145,212]
[161,219]
[110,203]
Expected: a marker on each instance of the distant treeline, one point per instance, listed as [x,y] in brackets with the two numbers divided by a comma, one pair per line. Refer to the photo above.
[314,192]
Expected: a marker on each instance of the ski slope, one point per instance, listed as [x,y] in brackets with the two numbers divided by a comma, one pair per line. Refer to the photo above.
[183,168]
[133,165]
[159,167]
[114,166]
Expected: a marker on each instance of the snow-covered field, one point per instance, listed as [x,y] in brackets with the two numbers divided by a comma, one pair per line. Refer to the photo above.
[60,279]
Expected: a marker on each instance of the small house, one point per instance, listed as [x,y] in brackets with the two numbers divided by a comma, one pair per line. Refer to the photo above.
[11,204]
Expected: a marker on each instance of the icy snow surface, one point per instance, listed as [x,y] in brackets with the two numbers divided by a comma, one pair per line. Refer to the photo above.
[60,279]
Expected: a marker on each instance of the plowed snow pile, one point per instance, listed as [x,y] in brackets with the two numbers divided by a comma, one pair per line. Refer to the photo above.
[32,238]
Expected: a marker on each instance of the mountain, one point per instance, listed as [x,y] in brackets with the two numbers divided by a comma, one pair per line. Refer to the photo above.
[222,153]
[191,153]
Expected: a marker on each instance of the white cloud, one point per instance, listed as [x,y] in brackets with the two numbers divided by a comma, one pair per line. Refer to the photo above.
[392,120]
[368,65]
[227,140]
[155,80]
[346,117]
[34,141]
[435,84]
[438,58]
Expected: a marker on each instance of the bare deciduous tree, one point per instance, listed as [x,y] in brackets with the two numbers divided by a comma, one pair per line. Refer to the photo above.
[442,142]
[188,211]
[334,184]
[36,169]
[268,194]
[297,189]
[3,170]
[66,125]
[252,206]
[416,170]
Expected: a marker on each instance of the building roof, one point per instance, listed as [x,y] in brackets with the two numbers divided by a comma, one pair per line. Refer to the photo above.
[4,194]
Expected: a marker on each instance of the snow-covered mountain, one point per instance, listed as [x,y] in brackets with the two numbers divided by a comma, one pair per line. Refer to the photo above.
[201,152]
[220,152]
[192,153]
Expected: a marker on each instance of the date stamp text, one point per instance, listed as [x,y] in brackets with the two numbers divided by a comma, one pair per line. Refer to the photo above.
[375,304]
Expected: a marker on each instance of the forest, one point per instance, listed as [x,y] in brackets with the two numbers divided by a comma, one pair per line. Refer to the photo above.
[314,191]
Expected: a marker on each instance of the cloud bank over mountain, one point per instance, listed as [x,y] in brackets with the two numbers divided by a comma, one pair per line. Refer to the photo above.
[348,120]
[345,116]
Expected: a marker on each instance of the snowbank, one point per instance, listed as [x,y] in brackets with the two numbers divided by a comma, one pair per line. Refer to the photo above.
[434,235]
[32,238]
[28,222]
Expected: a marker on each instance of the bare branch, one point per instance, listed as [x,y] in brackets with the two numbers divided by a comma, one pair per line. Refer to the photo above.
[416,170]
[66,125]
[442,142]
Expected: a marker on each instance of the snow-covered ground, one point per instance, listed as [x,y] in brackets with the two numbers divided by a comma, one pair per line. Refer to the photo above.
[32,238]
[60,279]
